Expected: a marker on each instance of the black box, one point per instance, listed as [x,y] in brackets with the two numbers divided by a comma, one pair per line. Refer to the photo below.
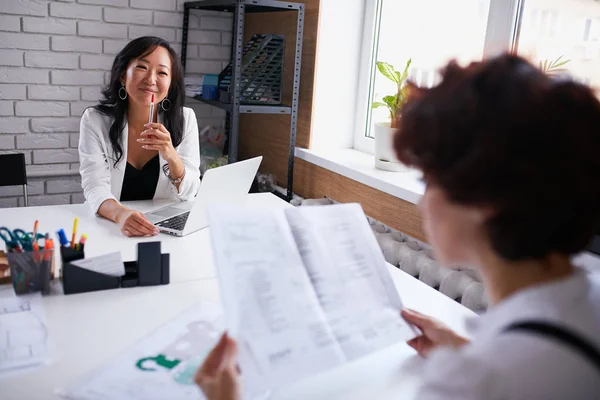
[149,264]
[151,268]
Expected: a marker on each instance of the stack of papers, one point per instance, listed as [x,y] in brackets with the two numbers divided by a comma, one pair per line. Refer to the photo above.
[24,343]
[159,366]
[193,85]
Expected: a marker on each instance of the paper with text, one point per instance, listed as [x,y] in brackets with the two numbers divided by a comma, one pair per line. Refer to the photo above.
[270,305]
[304,290]
[349,274]
[108,264]
[159,366]
[24,342]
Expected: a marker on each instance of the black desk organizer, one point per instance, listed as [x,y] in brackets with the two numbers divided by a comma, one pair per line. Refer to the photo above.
[151,268]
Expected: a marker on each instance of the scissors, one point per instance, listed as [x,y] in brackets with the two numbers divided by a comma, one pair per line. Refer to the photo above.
[12,242]
[18,239]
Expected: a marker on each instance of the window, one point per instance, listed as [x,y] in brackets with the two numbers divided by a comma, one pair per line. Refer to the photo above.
[575,40]
[433,32]
[429,33]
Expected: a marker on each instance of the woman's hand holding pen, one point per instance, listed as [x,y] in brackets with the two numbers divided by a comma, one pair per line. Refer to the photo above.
[134,223]
[157,137]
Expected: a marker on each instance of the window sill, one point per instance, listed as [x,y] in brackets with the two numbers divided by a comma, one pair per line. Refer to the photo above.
[360,167]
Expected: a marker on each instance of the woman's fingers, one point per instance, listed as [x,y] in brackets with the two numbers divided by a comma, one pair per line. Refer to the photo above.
[213,361]
[154,147]
[420,320]
[137,222]
[131,231]
[157,126]
[145,224]
[229,388]
[138,228]
[218,375]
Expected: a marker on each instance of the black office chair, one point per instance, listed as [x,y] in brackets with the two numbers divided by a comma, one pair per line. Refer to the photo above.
[13,172]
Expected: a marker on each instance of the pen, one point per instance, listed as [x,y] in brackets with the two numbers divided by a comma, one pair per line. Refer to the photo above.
[74,233]
[151,118]
[34,238]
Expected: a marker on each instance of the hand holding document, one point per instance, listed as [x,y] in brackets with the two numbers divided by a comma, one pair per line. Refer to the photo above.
[304,290]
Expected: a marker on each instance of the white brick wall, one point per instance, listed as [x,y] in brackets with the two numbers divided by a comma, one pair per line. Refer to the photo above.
[54,58]
[12,58]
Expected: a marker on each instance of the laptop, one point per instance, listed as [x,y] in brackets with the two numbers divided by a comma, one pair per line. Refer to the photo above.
[228,184]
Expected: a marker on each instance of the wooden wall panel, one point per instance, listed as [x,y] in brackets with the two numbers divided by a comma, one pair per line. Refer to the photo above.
[312,181]
[268,135]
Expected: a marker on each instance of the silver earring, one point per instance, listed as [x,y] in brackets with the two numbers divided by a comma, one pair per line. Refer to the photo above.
[167,106]
[121,95]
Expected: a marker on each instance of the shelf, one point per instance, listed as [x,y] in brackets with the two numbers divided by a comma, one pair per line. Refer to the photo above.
[247,108]
[252,6]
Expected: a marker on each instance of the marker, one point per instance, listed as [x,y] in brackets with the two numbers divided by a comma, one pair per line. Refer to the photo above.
[62,237]
[36,247]
[83,239]
[75,222]
[49,245]
[151,110]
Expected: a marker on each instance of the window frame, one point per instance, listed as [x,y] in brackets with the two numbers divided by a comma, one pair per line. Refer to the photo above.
[501,35]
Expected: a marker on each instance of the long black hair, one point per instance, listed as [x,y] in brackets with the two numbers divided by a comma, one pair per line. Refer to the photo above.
[113,106]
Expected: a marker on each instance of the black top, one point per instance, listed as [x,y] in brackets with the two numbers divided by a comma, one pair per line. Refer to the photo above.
[140,184]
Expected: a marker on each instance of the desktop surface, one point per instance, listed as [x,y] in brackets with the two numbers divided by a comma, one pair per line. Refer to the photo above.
[87,330]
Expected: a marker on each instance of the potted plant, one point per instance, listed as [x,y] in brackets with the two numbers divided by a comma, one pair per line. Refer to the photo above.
[385,157]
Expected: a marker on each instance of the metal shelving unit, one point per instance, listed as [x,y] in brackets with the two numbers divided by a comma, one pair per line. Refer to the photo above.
[239,8]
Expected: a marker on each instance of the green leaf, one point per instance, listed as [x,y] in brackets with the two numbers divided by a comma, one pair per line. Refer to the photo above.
[405,73]
[403,96]
[560,64]
[378,104]
[553,66]
[387,70]
[390,101]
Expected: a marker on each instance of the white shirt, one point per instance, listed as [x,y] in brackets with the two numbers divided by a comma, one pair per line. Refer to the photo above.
[101,179]
[522,365]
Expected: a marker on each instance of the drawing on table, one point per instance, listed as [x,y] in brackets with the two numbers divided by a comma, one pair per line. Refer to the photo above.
[23,332]
[8,307]
[161,365]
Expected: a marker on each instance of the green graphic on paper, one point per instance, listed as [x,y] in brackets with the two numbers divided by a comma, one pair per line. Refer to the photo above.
[160,360]
[182,357]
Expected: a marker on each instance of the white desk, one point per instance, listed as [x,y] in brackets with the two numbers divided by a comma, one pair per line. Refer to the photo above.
[191,255]
[91,328]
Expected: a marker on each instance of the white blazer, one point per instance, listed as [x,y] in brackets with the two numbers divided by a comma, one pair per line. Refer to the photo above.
[101,179]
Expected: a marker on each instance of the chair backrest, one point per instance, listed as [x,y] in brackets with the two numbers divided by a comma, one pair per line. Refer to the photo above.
[12,169]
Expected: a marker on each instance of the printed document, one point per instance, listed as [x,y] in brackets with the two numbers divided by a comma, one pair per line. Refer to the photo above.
[304,290]
[24,343]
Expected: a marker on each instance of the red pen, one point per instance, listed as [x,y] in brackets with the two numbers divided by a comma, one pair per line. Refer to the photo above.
[151,118]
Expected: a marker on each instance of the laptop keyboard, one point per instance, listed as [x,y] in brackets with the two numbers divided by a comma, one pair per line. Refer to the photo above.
[176,223]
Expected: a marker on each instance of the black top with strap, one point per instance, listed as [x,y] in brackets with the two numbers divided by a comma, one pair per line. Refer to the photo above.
[560,334]
[140,184]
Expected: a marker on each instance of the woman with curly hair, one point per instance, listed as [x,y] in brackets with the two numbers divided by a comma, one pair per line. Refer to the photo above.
[511,161]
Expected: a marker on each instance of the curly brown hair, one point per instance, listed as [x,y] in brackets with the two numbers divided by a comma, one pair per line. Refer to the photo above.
[503,135]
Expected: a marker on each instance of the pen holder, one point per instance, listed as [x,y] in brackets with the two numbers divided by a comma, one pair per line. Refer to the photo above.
[68,254]
[30,270]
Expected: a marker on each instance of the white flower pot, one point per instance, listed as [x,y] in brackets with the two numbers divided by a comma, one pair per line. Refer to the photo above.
[385,156]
